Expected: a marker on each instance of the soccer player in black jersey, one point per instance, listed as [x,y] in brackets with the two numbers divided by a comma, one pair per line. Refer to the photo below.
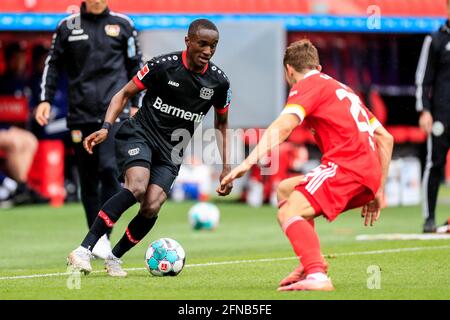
[181,88]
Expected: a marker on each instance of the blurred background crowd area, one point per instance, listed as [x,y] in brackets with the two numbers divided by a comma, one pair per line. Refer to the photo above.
[372,46]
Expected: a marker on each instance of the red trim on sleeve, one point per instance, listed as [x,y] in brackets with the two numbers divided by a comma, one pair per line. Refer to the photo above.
[139,83]
[223,110]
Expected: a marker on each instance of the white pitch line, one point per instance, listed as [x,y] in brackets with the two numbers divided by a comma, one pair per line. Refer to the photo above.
[357,253]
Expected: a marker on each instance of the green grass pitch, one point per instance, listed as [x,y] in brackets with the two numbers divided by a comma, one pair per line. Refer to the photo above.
[243,259]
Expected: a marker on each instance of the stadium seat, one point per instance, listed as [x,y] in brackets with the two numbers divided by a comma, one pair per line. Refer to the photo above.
[13,109]
[47,172]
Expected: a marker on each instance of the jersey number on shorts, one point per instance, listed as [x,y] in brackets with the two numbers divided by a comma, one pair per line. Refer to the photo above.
[356,109]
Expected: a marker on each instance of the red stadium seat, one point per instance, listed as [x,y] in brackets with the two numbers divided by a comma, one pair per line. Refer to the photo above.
[400,134]
[13,109]
[47,172]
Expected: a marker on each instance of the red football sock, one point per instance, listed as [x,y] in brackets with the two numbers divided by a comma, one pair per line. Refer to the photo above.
[305,242]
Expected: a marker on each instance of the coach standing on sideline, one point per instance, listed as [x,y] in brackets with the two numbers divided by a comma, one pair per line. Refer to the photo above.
[99,51]
[433,103]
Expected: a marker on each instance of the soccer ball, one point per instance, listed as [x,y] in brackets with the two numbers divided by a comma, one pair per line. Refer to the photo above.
[165,257]
[204,215]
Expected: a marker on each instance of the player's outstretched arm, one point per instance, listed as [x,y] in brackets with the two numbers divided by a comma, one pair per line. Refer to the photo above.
[116,106]
[385,143]
[275,134]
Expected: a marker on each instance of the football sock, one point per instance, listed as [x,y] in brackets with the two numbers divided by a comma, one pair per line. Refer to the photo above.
[110,213]
[317,276]
[10,184]
[137,229]
[4,193]
[305,243]
[110,187]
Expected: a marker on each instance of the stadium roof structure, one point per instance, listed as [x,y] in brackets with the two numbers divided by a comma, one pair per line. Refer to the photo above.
[399,16]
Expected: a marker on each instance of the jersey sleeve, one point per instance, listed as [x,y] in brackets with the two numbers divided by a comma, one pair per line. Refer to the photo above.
[426,73]
[147,75]
[374,122]
[223,100]
[53,64]
[303,100]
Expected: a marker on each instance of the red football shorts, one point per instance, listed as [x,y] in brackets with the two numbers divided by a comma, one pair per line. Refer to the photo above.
[331,190]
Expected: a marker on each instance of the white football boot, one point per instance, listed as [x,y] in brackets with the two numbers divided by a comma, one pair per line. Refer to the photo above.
[80,260]
[113,266]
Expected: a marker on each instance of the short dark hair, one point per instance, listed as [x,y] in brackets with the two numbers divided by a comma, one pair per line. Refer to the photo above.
[302,55]
[201,23]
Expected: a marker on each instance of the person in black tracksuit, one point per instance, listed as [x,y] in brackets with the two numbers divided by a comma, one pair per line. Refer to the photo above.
[433,103]
[99,51]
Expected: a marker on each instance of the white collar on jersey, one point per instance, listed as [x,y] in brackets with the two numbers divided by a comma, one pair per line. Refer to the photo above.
[310,73]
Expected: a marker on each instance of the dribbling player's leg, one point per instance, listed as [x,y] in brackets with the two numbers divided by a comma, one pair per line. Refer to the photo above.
[136,182]
[143,222]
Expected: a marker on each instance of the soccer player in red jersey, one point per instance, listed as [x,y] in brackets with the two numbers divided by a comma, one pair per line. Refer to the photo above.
[356,151]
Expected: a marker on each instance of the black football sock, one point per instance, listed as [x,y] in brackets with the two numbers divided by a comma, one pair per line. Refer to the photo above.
[136,231]
[108,215]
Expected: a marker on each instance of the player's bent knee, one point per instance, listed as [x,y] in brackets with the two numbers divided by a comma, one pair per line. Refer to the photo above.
[138,190]
[282,191]
[291,209]
[151,210]
[137,183]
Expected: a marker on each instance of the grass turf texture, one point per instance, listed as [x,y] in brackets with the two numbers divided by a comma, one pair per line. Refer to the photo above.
[36,240]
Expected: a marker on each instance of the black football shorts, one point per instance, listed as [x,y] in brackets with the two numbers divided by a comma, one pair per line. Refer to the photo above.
[135,149]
